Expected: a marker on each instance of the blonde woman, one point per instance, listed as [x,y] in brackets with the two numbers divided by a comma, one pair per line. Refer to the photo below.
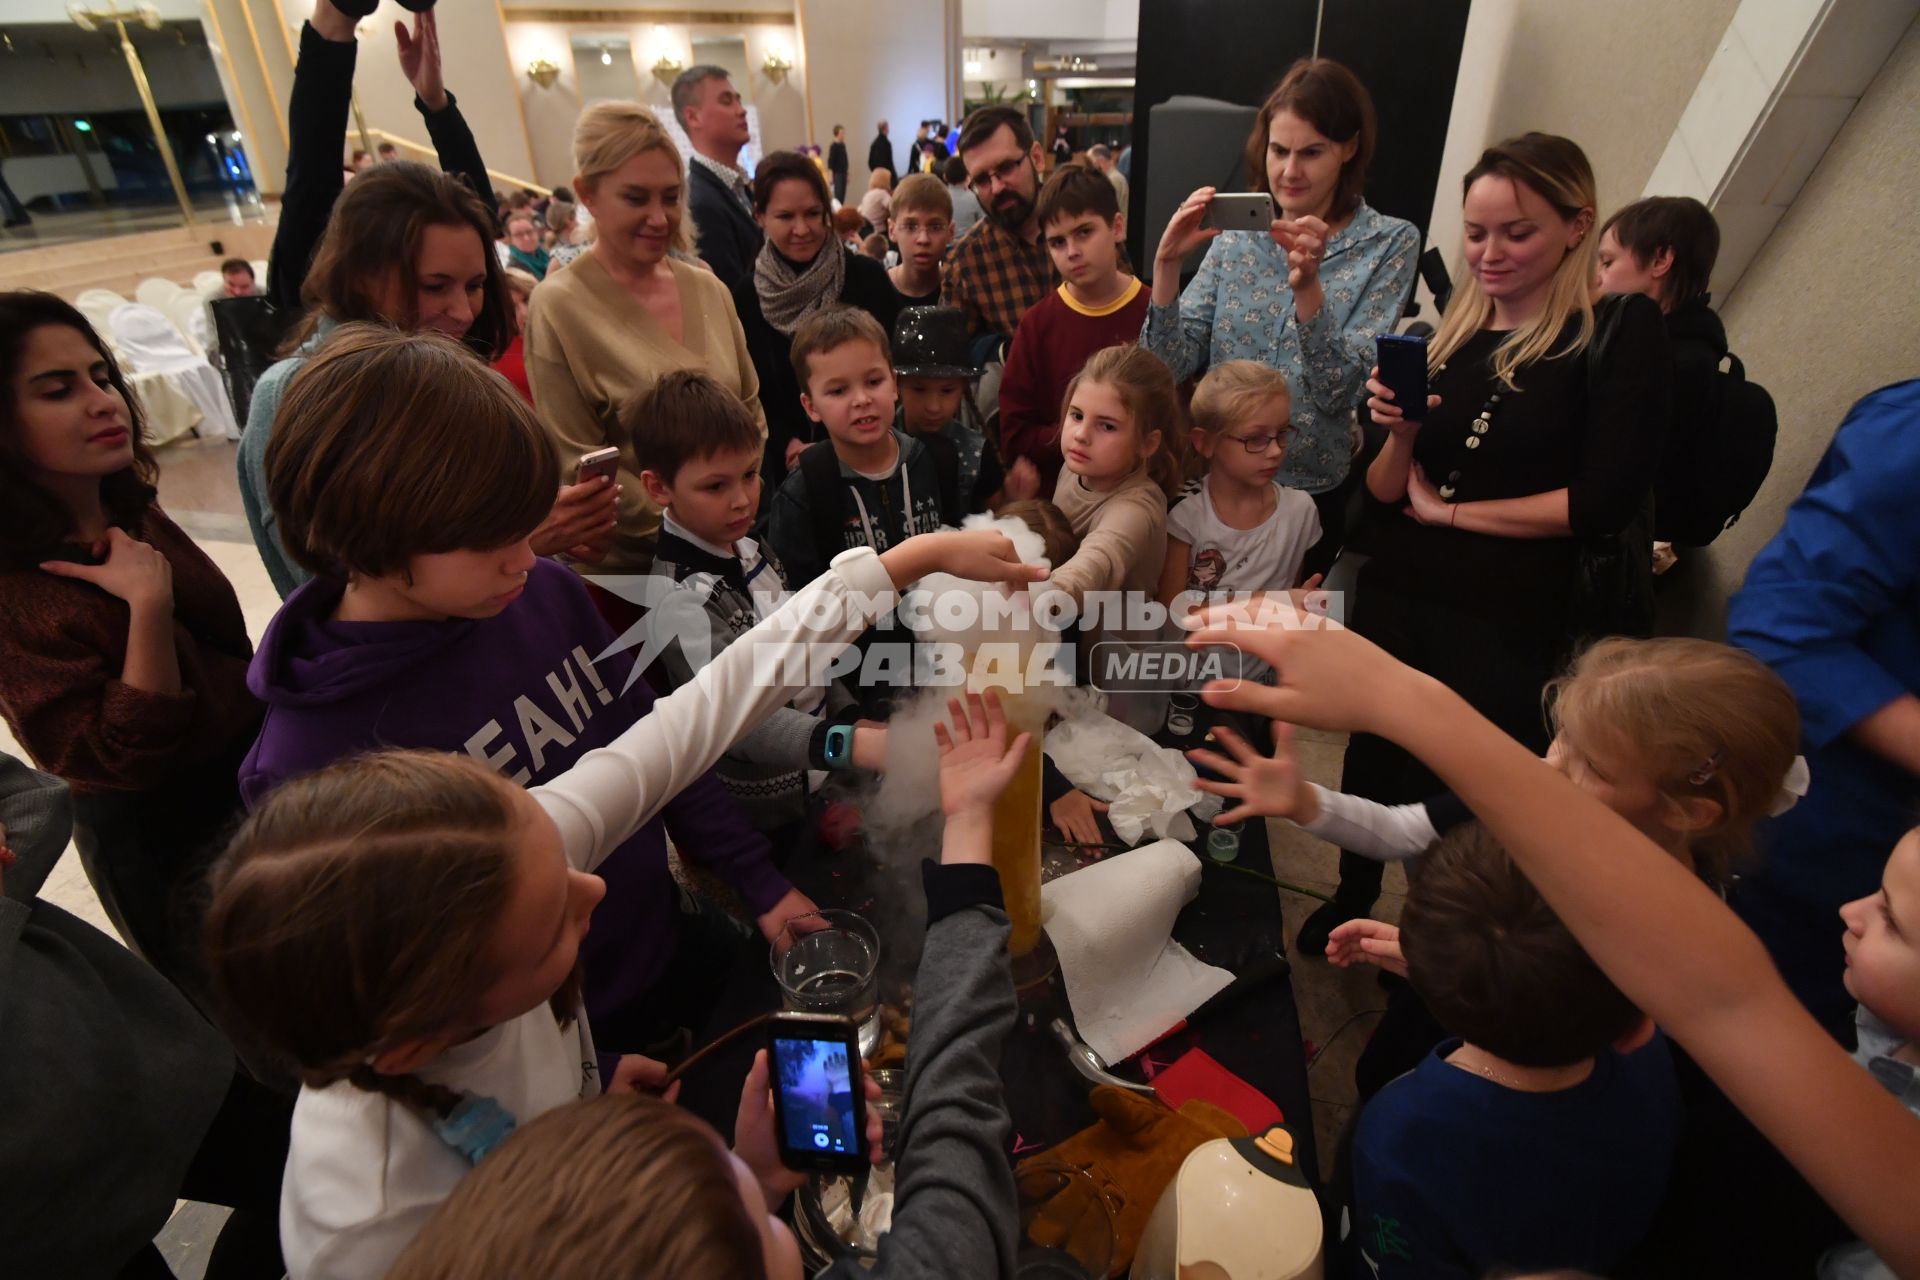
[1536,437]
[626,312]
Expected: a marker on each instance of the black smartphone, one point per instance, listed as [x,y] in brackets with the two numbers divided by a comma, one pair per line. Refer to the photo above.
[1403,367]
[819,1098]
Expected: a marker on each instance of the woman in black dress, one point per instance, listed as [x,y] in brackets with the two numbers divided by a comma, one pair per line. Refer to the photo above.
[802,268]
[1535,440]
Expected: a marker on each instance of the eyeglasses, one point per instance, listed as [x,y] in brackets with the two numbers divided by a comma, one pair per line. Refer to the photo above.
[1262,443]
[1002,174]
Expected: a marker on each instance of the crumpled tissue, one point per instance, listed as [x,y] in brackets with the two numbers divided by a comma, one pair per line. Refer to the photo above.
[1147,786]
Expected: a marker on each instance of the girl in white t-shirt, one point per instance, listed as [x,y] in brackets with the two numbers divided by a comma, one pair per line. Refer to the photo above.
[403,928]
[1238,531]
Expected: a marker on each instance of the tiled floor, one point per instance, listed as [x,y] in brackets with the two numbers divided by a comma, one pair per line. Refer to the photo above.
[1337,1007]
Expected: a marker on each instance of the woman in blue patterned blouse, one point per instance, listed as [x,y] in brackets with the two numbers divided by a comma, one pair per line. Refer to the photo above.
[1307,298]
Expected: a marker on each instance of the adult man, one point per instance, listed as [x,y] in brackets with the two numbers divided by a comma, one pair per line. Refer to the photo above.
[880,152]
[709,108]
[1000,268]
[1102,157]
[388,152]
[236,278]
[837,163]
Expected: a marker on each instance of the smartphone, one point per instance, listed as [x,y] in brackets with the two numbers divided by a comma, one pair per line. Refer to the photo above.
[1249,211]
[819,1099]
[601,462]
[1403,367]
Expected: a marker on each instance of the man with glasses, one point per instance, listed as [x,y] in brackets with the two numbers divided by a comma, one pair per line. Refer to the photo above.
[999,269]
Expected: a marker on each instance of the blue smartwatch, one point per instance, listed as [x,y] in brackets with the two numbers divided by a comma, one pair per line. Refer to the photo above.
[838,751]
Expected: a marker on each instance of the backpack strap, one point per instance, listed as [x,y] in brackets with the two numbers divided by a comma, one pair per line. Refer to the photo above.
[826,498]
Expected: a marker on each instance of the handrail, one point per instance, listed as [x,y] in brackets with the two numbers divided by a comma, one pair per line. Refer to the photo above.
[495,174]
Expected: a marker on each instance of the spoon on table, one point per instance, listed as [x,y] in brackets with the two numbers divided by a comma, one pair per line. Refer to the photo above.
[1090,1064]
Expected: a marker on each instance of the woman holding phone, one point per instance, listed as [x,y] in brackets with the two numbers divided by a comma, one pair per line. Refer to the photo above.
[1309,294]
[1542,430]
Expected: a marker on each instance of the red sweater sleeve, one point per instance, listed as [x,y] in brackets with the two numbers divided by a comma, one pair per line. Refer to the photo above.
[1029,416]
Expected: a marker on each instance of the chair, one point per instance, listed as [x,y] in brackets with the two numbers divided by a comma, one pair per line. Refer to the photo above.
[188,311]
[156,293]
[209,284]
[152,345]
[98,306]
[259,266]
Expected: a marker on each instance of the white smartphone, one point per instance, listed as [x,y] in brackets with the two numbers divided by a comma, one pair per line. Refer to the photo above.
[1245,211]
[601,462]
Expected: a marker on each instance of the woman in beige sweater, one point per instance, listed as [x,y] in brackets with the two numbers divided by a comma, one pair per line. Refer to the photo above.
[620,316]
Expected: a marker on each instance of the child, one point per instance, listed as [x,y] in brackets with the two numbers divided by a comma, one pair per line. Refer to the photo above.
[633,1177]
[867,484]
[923,228]
[930,363]
[1099,305]
[1670,944]
[1544,1135]
[699,453]
[1241,531]
[1120,430]
[432,625]
[404,927]
[1049,522]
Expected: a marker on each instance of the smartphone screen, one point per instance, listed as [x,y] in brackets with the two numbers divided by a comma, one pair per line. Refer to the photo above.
[819,1108]
[1403,367]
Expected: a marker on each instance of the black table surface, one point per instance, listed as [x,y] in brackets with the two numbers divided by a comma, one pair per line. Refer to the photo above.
[1233,922]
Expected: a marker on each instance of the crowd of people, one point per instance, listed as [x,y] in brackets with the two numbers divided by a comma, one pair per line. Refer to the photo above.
[1660,888]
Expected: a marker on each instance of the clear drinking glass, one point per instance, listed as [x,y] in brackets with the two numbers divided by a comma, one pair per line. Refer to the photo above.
[829,962]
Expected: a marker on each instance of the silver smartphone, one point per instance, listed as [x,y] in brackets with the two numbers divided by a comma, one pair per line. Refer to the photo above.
[601,462]
[1246,211]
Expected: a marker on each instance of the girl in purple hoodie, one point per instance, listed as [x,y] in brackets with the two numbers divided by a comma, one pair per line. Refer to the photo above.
[407,477]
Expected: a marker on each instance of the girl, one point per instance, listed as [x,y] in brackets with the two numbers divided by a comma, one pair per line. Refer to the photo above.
[1243,531]
[1537,442]
[640,1185]
[1308,297]
[123,664]
[512,362]
[1120,428]
[1663,937]
[404,927]
[800,271]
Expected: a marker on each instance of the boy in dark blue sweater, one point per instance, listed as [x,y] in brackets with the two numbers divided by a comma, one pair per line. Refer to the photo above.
[1542,1138]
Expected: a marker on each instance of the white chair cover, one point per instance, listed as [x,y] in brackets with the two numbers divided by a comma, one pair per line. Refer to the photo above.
[155,292]
[208,284]
[151,344]
[167,412]
[188,311]
[260,274]
[98,306]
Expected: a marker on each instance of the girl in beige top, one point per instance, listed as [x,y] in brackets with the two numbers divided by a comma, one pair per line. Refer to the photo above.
[603,329]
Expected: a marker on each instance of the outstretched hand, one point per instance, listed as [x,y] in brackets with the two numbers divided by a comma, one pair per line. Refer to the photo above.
[976,761]
[1267,786]
[420,59]
[1367,942]
[1327,677]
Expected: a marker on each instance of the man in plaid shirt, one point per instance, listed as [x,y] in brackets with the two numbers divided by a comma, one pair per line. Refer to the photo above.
[1000,267]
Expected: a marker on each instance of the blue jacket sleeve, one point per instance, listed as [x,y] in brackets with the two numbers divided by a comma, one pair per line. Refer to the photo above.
[1182,335]
[1843,560]
[1336,354]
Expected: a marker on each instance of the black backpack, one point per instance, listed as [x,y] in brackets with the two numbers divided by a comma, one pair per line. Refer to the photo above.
[831,505]
[1719,448]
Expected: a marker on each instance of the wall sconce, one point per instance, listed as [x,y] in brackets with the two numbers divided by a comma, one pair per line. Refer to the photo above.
[667,69]
[543,73]
[776,66]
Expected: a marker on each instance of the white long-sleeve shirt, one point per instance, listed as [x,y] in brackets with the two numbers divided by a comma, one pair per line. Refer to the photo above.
[1383,832]
[365,1171]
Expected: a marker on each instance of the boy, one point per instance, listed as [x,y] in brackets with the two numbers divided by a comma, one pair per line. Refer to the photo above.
[930,362]
[1098,305]
[432,625]
[867,484]
[923,228]
[1544,1136]
[699,455]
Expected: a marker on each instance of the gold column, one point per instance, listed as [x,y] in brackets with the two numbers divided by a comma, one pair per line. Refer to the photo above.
[88,20]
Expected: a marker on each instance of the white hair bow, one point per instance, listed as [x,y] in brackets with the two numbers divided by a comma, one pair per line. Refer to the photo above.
[1792,788]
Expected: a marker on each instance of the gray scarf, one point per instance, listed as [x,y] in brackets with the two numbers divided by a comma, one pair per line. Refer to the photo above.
[788,296]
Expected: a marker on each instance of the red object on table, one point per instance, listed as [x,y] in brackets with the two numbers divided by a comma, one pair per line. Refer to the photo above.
[1195,1074]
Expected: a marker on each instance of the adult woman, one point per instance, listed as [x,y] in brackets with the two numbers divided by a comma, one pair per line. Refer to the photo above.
[626,312]
[524,249]
[875,205]
[124,661]
[1311,295]
[1535,437]
[802,268]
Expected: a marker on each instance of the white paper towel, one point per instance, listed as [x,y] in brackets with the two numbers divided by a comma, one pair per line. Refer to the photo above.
[1149,787]
[1112,925]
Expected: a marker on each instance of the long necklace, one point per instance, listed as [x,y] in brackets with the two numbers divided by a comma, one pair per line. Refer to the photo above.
[1477,435]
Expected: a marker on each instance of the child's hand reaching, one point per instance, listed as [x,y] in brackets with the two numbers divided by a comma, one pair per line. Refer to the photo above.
[1326,675]
[981,555]
[1075,816]
[1367,942]
[636,1074]
[976,764]
[1270,787]
[757,1146]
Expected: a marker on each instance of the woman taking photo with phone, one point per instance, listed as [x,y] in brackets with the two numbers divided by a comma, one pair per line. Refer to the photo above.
[626,312]
[1545,419]
[1307,296]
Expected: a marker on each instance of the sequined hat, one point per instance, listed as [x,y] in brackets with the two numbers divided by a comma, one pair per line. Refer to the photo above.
[931,342]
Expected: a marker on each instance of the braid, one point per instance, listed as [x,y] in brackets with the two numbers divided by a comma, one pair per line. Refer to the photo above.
[433,1101]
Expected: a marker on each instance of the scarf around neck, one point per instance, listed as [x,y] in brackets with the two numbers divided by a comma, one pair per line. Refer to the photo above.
[788,294]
